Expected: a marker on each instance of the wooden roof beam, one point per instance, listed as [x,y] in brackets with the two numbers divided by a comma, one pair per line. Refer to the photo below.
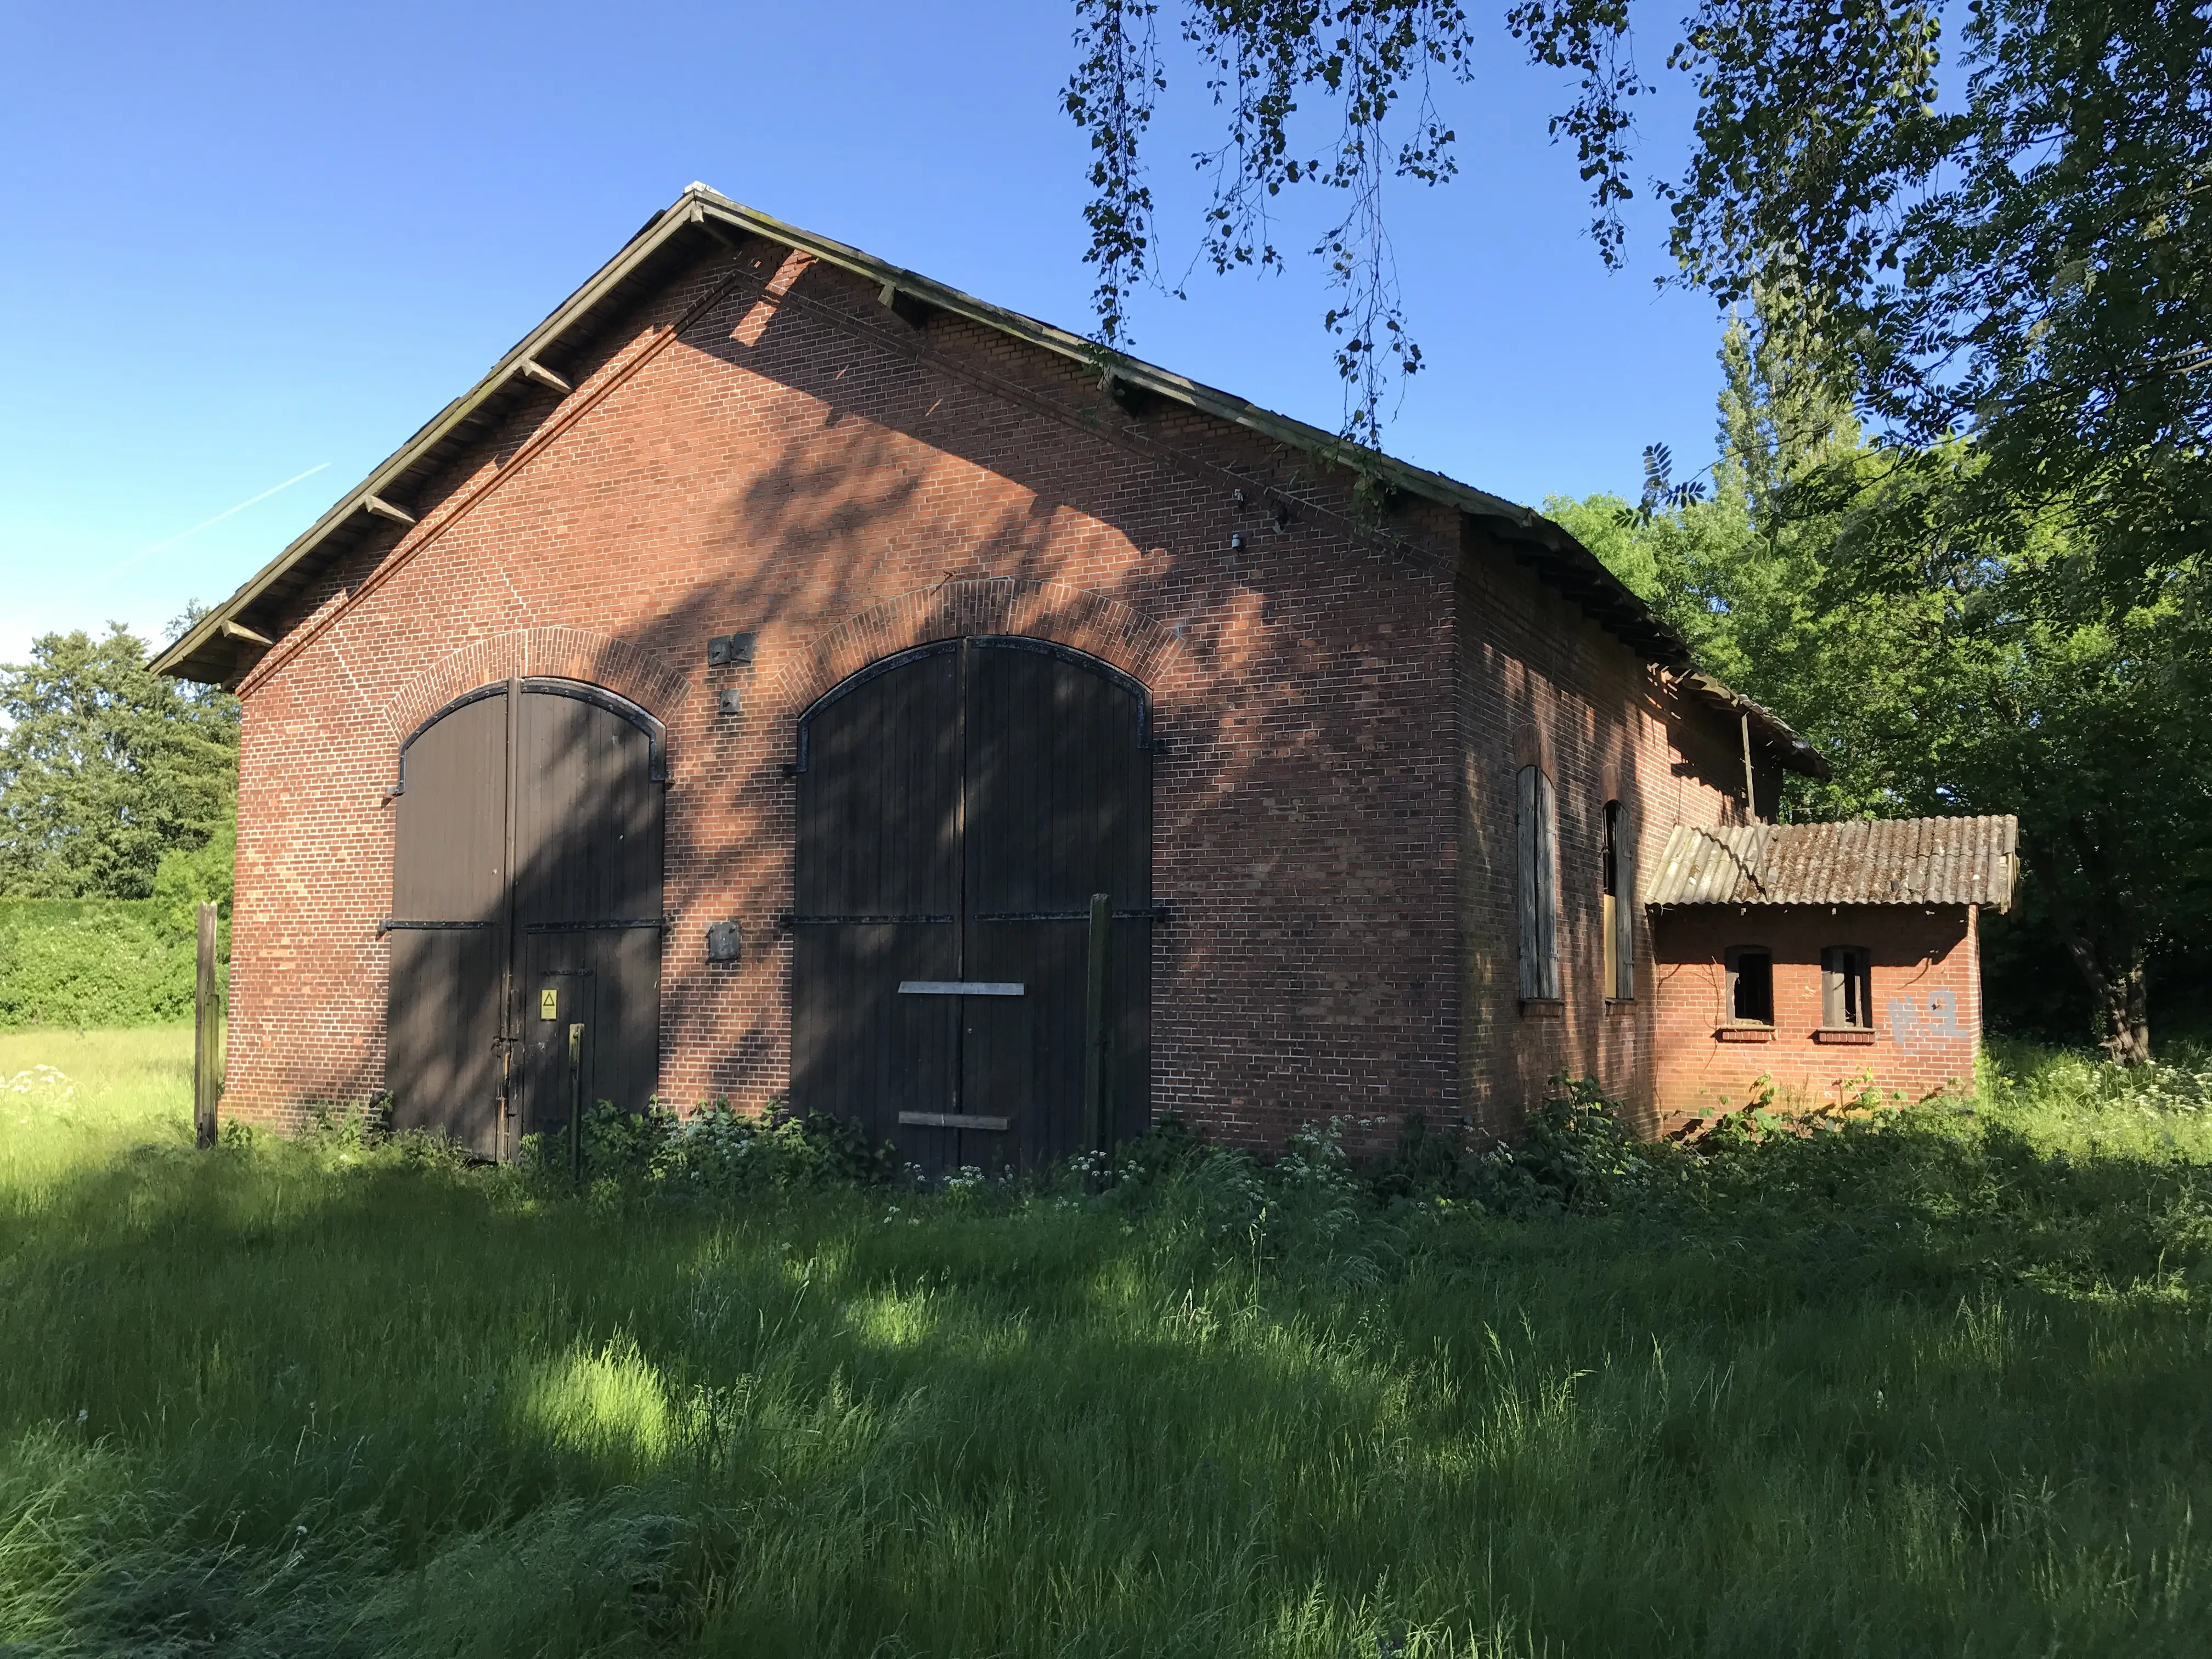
[384,509]
[908,308]
[1137,400]
[532,369]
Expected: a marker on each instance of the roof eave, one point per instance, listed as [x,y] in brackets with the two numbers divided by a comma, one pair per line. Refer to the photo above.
[206,652]
[209,632]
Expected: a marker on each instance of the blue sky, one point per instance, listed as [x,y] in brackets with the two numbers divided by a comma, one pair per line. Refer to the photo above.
[243,244]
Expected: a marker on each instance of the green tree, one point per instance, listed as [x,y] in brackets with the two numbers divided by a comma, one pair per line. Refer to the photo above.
[107,768]
[2006,683]
[2022,255]
[2093,724]
[1753,576]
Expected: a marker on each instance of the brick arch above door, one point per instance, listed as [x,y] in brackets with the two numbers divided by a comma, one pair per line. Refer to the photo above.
[1082,619]
[644,676]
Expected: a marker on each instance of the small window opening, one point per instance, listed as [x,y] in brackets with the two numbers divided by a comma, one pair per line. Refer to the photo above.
[1847,988]
[1751,986]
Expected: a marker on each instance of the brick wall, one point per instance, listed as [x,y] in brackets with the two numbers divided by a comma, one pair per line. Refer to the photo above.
[1536,681]
[764,448]
[1926,979]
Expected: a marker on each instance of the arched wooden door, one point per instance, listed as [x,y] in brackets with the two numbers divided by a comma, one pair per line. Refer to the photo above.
[959,806]
[525,900]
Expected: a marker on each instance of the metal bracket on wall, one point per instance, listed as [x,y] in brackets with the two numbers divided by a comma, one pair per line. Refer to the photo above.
[659,923]
[1147,913]
[730,650]
[387,925]
[788,919]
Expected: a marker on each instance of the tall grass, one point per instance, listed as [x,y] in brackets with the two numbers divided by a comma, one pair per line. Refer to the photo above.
[1935,1386]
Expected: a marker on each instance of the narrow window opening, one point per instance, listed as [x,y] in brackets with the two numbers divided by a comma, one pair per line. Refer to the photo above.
[1751,986]
[1619,918]
[1847,988]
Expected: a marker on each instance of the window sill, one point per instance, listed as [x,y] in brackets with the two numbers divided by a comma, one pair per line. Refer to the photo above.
[1620,1004]
[1543,1008]
[1744,1034]
[1847,1034]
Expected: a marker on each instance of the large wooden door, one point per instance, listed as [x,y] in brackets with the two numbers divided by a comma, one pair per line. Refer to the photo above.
[959,806]
[526,899]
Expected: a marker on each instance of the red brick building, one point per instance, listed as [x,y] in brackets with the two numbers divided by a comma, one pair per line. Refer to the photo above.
[784,676]
[1815,963]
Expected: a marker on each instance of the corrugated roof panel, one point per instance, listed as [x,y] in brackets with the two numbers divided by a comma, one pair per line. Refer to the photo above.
[1859,861]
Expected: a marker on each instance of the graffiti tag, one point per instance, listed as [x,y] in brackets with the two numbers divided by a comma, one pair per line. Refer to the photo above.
[1934,1016]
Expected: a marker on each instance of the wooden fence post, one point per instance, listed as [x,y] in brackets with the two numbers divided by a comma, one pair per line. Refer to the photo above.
[206,1034]
[575,1106]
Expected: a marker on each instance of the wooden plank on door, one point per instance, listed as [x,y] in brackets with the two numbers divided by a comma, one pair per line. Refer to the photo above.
[589,891]
[448,889]
[877,894]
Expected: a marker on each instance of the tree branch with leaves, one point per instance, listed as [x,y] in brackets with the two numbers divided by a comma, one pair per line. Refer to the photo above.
[1373,65]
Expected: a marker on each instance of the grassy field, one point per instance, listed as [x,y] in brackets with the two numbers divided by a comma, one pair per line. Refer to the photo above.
[1936,1387]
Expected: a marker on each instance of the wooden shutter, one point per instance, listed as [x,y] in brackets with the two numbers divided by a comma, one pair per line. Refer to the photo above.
[1623,909]
[1547,885]
[1539,865]
[1845,987]
[1525,838]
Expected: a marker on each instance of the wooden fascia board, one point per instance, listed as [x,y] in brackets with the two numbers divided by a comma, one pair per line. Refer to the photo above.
[1789,748]
[1526,530]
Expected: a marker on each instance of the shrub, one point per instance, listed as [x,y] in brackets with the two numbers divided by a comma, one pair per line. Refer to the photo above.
[1575,1152]
[1578,1149]
[716,1150]
[93,962]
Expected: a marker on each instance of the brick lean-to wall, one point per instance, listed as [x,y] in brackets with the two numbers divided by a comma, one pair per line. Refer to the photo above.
[764,448]
[1927,1004]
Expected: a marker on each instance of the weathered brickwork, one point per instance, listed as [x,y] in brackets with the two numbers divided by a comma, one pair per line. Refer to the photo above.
[1927,1005]
[764,448]
[1537,682]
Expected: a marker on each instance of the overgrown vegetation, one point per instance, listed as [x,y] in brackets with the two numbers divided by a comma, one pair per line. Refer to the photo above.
[96,962]
[1911,1384]
[2010,684]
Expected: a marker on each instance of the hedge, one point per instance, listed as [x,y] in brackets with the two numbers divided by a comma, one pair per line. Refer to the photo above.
[95,961]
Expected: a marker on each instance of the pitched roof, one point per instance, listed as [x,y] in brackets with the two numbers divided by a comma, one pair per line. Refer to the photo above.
[1878,861]
[223,647]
